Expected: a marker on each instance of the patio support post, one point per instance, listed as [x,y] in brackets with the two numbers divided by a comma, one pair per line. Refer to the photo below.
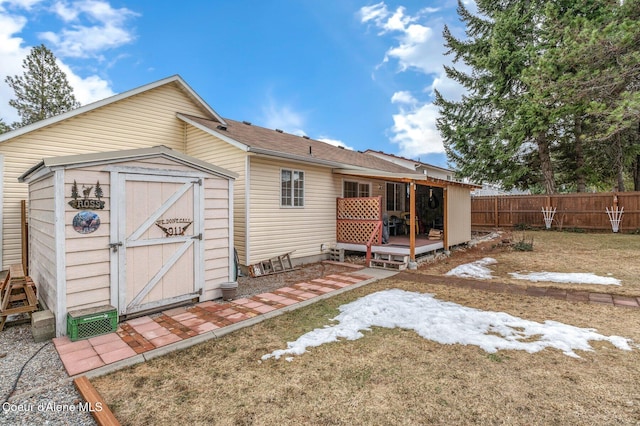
[445,219]
[412,221]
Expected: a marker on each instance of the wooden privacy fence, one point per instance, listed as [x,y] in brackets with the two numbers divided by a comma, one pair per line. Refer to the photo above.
[584,211]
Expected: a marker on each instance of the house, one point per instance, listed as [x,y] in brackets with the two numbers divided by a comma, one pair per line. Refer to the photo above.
[285,196]
[135,230]
[420,167]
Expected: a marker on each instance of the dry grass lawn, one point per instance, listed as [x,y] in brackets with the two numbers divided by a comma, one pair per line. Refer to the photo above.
[395,376]
[609,254]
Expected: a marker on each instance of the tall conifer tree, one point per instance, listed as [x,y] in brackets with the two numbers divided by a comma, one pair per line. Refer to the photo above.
[486,134]
[43,90]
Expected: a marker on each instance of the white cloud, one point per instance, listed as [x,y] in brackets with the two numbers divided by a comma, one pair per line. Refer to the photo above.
[11,55]
[334,142]
[414,130]
[79,40]
[22,4]
[448,88]
[88,89]
[376,13]
[417,45]
[105,28]
[283,117]
[65,12]
[403,97]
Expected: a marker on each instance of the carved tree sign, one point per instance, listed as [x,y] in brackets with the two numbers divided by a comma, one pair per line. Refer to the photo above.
[86,202]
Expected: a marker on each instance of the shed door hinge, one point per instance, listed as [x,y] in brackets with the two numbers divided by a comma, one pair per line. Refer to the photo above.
[197,237]
[199,182]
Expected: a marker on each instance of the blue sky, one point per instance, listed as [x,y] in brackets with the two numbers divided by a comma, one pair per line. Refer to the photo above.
[356,73]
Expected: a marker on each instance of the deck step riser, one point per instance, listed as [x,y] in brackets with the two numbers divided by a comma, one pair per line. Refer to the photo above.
[389,261]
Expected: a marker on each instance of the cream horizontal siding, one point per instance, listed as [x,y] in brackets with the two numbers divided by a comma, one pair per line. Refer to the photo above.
[88,271]
[222,154]
[88,299]
[143,120]
[276,230]
[458,215]
[216,234]
[42,240]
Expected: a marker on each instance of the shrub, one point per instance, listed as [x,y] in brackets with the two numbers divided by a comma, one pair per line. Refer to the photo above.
[525,244]
[576,230]
[521,226]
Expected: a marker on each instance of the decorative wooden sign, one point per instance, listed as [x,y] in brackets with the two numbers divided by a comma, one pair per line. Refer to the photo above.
[174,227]
[85,202]
[86,222]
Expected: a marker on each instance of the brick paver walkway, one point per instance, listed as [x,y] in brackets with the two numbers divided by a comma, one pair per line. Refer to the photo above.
[146,333]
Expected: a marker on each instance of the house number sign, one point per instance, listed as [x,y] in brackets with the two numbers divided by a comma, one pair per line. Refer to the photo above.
[86,202]
[174,227]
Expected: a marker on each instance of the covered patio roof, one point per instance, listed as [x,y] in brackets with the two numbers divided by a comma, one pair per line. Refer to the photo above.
[417,178]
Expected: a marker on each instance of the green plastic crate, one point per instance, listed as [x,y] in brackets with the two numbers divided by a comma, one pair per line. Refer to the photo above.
[91,322]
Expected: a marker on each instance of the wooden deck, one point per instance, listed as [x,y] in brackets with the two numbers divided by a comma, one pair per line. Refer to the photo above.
[398,245]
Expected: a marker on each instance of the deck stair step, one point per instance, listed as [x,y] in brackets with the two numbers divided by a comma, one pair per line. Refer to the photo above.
[389,261]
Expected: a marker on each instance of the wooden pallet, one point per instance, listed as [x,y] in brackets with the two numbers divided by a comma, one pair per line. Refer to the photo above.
[274,265]
[17,294]
[389,261]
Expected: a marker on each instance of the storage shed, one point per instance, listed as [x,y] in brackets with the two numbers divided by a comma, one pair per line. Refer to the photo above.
[137,229]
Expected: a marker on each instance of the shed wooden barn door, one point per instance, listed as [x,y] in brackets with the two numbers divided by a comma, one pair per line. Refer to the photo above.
[158,249]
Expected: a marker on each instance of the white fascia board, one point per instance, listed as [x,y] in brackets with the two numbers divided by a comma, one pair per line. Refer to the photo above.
[212,132]
[98,104]
[293,157]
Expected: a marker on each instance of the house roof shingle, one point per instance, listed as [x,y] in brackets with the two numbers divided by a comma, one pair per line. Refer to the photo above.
[267,141]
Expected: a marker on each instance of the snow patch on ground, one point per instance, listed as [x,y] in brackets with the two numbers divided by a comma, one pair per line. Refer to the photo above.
[475,269]
[448,323]
[571,277]
[478,270]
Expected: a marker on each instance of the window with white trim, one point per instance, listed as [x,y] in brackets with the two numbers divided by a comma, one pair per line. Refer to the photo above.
[395,195]
[351,189]
[291,188]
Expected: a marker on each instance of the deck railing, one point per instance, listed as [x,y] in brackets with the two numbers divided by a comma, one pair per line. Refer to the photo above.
[359,220]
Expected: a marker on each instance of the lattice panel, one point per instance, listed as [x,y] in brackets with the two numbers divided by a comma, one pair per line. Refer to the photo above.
[369,208]
[357,231]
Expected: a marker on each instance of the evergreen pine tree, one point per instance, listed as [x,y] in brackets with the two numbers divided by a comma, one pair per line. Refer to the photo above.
[43,90]
[98,191]
[494,133]
[3,126]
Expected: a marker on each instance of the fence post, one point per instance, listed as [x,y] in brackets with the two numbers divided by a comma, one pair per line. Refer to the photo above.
[495,211]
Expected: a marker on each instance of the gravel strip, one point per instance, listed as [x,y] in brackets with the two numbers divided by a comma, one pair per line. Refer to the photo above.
[251,286]
[44,394]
